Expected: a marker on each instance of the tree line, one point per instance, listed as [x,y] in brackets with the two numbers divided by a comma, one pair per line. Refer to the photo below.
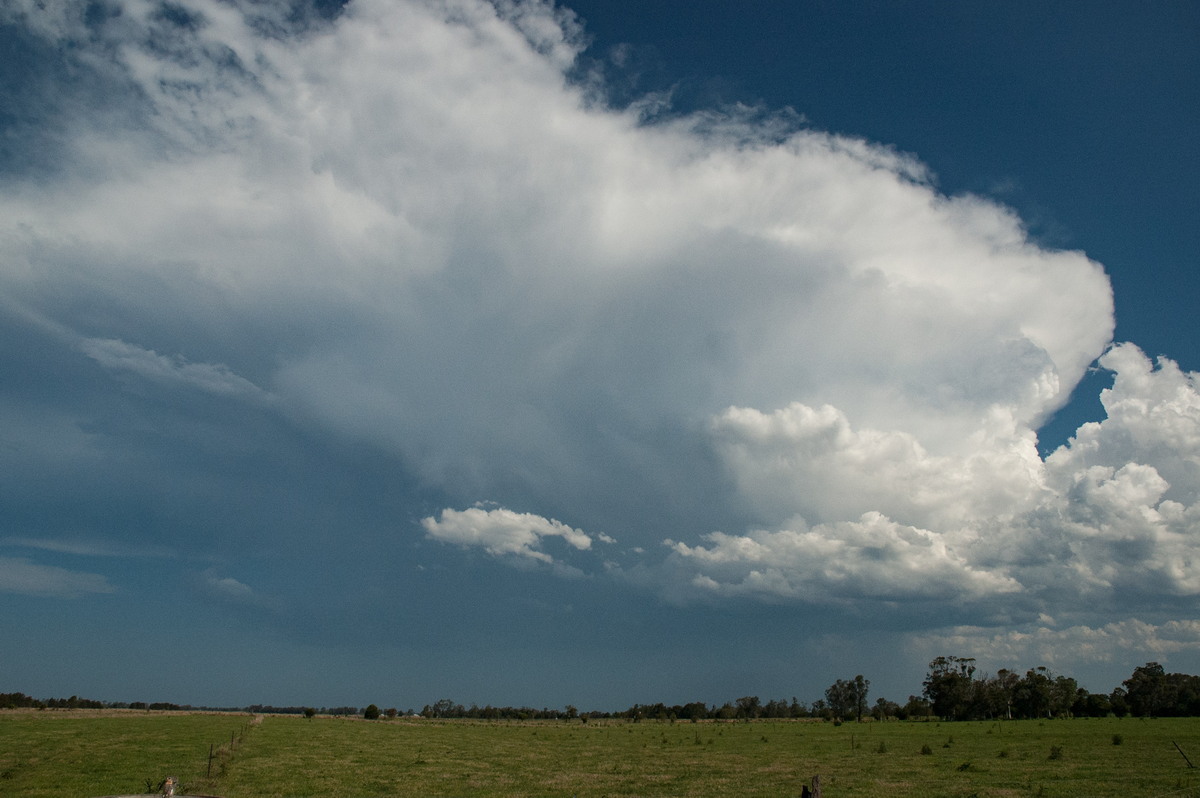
[954,692]
[22,701]
[953,689]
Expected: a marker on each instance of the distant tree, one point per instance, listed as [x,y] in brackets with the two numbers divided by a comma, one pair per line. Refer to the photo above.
[391,712]
[885,709]
[999,693]
[1063,692]
[848,697]
[309,712]
[916,707]
[749,707]
[371,712]
[1151,691]
[445,708]
[858,690]
[949,687]
[1032,695]
[1146,689]
[838,699]
[1092,705]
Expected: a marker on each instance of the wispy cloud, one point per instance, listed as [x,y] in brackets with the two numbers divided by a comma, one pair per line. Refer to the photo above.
[213,378]
[232,591]
[19,575]
[83,547]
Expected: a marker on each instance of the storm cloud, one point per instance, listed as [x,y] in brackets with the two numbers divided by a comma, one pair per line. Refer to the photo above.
[746,359]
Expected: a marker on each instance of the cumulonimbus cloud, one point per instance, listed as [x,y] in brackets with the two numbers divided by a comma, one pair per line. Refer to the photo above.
[410,227]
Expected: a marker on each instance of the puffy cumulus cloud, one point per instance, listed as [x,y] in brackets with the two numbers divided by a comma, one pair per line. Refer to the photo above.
[813,461]
[1120,521]
[1109,520]
[1153,419]
[501,532]
[19,575]
[872,558]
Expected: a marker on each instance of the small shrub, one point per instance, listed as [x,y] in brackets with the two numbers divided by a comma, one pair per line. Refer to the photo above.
[882,749]
[1003,753]
[1056,752]
[926,750]
[964,766]
[1118,739]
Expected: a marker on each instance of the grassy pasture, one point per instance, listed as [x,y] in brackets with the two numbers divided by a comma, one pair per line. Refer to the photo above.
[109,752]
[63,754]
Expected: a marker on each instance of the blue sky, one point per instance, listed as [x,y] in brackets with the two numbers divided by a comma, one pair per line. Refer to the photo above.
[601,354]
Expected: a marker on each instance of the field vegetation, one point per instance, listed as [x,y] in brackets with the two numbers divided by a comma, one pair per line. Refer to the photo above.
[82,753]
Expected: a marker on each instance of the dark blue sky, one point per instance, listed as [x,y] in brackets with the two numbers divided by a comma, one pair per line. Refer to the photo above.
[682,351]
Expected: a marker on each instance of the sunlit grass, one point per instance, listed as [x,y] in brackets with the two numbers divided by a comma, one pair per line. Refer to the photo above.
[290,756]
[348,758]
[87,753]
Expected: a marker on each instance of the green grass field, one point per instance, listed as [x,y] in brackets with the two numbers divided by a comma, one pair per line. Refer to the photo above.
[91,754]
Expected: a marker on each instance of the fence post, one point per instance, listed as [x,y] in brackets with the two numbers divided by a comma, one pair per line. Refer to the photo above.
[816,787]
[210,756]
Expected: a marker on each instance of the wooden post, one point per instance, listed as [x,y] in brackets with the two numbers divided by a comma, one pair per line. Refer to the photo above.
[816,787]
[210,756]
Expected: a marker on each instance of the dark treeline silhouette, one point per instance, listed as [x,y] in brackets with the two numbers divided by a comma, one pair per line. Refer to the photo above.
[952,690]
[22,701]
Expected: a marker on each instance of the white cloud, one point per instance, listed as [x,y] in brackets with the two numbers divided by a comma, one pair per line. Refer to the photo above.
[1066,647]
[812,461]
[871,558]
[502,532]
[1097,522]
[19,575]
[419,234]
[1153,419]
